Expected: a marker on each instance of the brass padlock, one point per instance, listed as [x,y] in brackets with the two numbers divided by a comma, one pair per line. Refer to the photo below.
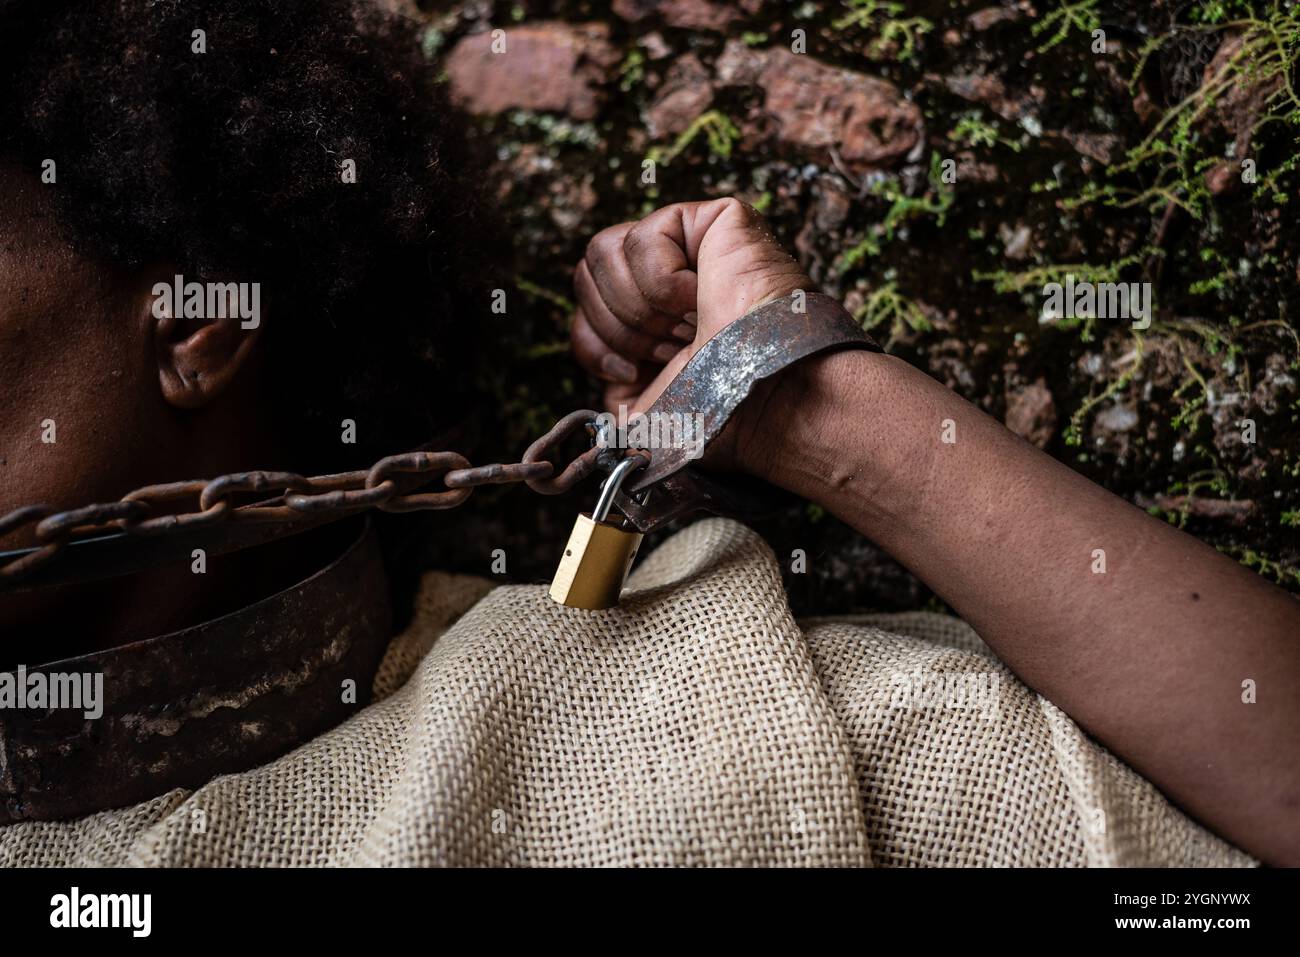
[599,553]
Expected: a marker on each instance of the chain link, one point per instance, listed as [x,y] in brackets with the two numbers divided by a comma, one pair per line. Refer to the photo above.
[293,497]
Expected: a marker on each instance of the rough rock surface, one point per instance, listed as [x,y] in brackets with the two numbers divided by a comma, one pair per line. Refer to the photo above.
[1031,413]
[833,147]
[551,67]
[688,14]
[1238,112]
[685,94]
[819,108]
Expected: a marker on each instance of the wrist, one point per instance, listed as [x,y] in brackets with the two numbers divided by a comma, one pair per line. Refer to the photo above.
[824,432]
[794,415]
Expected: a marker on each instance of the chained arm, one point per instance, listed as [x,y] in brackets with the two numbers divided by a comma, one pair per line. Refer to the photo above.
[1175,657]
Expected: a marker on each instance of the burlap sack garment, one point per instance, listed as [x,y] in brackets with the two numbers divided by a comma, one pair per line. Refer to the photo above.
[695,724]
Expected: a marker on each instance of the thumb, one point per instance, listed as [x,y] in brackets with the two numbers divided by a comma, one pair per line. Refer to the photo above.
[741,266]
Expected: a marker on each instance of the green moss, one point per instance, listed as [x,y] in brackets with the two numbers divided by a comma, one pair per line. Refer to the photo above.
[1218,11]
[1210,480]
[556,131]
[934,203]
[885,306]
[1033,280]
[1279,571]
[891,33]
[431,41]
[1174,157]
[972,130]
[631,74]
[1073,434]
[1080,15]
[539,292]
[720,133]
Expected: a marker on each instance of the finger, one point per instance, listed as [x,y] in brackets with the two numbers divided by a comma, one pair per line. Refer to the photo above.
[621,338]
[652,386]
[656,252]
[627,393]
[613,277]
[687,328]
[594,355]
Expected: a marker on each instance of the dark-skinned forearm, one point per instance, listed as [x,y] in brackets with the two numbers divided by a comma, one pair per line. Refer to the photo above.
[1150,655]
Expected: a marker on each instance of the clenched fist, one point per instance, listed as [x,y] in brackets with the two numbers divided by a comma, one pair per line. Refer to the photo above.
[651,293]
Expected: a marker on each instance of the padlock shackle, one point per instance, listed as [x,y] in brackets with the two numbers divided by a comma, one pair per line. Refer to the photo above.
[610,488]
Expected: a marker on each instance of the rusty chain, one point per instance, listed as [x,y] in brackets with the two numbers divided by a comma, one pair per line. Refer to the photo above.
[299,498]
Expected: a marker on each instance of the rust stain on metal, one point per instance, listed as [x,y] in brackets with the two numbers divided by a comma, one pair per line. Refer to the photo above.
[714,383]
[222,696]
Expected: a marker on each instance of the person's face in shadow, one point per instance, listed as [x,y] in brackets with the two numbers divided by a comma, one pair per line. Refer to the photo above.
[100,395]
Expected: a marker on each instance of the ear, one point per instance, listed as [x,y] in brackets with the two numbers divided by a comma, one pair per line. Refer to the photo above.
[203,334]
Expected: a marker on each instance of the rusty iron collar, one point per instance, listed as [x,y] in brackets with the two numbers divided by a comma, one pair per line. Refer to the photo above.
[219,697]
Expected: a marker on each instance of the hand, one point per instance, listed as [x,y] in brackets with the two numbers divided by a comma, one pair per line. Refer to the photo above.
[651,293]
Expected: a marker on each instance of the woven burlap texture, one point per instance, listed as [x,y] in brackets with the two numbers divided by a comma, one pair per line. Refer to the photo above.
[696,724]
